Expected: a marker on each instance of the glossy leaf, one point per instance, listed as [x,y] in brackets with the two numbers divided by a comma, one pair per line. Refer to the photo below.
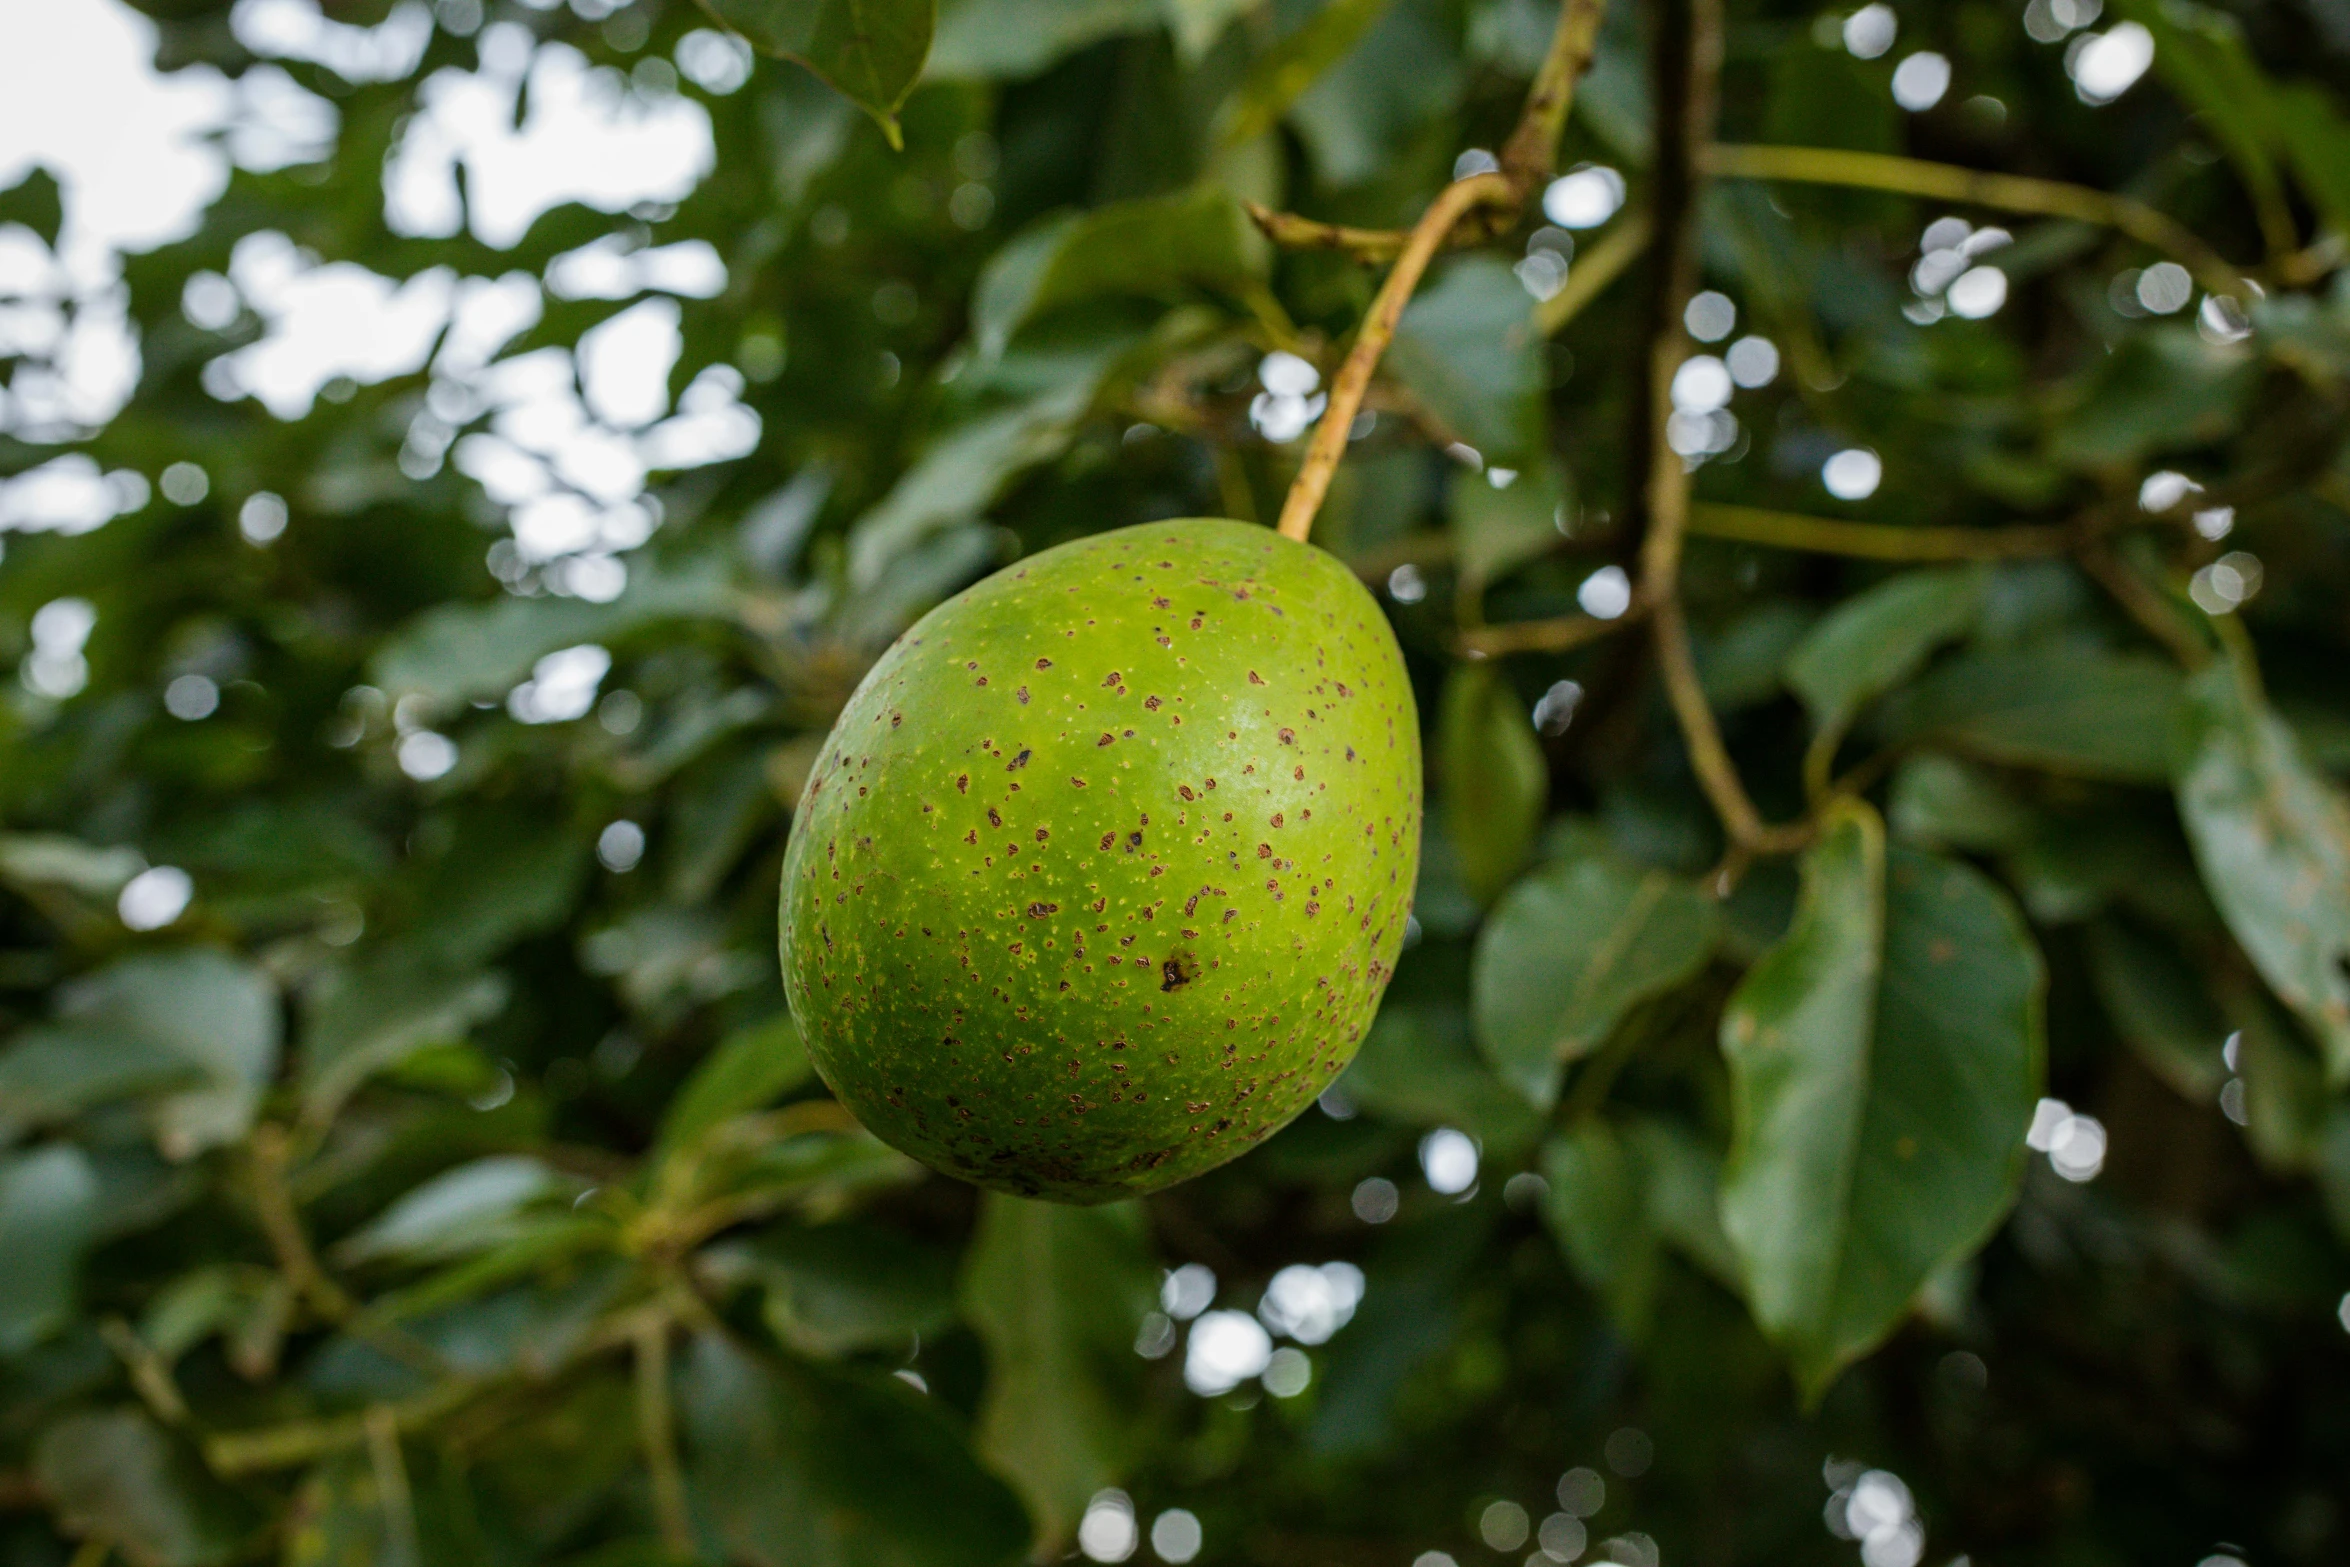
[834,1288]
[1419,1066]
[2272,835]
[2158,1004]
[1569,951]
[749,1069]
[1495,781]
[1619,1194]
[1501,520]
[1884,1058]
[794,1465]
[115,1475]
[1466,346]
[1877,639]
[871,50]
[48,1217]
[1057,1295]
[216,1017]
[1284,72]
[367,1021]
[2068,710]
[1000,39]
[1158,247]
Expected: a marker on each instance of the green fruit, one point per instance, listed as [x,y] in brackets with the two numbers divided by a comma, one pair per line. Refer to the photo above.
[1099,877]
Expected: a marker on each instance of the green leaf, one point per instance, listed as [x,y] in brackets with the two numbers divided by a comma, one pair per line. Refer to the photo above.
[994,40]
[2159,1007]
[1283,73]
[750,1068]
[1884,1060]
[1940,802]
[1498,526]
[478,652]
[871,51]
[1880,637]
[834,1288]
[1368,115]
[1619,1194]
[2315,137]
[2066,709]
[794,1465]
[1827,98]
[2162,389]
[509,874]
[215,1016]
[1571,949]
[1468,348]
[2201,54]
[370,1019]
[1157,247]
[2272,836]
[32,860]
[1419,1066]
[1058,1294]
[48,1214]
[116,1476]
[1496,782]
[473,1208]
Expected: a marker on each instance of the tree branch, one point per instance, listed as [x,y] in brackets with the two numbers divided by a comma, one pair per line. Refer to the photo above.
[1875,540]
[1687,47]
[657,1435]
[1976,187]
[1378,329]
[1560,635]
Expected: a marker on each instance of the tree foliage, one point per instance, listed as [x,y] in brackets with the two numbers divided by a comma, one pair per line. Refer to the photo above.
[1872,563]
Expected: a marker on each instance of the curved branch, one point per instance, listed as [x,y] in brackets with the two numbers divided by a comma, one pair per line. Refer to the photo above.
[1976,187]
[1354,377]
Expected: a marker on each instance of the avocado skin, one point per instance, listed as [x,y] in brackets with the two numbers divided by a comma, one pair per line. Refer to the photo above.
[1099,877]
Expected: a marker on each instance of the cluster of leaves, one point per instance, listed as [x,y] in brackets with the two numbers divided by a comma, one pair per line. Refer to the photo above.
[434,1189]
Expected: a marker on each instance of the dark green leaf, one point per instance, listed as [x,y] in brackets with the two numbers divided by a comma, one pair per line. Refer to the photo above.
[1365,115]
[1619,1194]
[1569,951]
[1940,802]
[364,1021]
[750,1069]
[997,39]
[215,1015]
[2273,837]
[2068,710]
[1496,526]
[36,202]
[2159,1006]
[1468,348]
[115,1475]
[1159,247]
[473,1208]
[794,1465]
[1495,780]
[1419,1066]
[48,1214]
[871,50]
[2164,388]
[1885,1059]
[1058,1294]
[1283,73]
[1877,639]
[834,1288]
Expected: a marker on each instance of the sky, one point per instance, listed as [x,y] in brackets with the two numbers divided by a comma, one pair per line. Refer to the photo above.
[140,156]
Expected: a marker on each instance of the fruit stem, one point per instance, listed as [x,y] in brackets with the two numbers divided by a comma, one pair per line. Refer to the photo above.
[1378,330]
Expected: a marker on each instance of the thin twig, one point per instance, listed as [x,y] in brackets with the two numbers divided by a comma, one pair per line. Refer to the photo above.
[273,1204]
[1976,187]
[1689,63]
[657,1435]
[1530,156]
[1561,634]
[392,1492]
[1378,329]
[150,1377]
[1875,540]
[2145,604]
[1589,277]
